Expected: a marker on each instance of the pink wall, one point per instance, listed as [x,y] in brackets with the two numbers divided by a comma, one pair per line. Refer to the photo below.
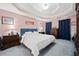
[19,22]
[73,25]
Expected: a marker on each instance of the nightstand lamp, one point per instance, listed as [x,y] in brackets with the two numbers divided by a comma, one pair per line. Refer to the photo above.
[40,30]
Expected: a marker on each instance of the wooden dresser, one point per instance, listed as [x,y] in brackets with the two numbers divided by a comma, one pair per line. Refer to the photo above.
[9,41]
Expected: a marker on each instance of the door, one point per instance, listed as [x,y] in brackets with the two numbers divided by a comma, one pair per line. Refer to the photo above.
[48,27]
[64,29]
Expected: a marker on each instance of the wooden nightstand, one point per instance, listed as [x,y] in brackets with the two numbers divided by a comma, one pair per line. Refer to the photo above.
[42,32]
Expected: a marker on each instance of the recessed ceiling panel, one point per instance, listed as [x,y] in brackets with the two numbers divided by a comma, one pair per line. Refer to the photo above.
[45,10]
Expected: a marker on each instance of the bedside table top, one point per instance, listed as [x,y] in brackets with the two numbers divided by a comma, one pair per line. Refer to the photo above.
[42,32]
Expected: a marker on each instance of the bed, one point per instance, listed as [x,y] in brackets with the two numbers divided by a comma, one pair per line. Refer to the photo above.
[35,41]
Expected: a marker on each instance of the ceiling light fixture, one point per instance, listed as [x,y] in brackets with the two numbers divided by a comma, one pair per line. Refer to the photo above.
[45,6]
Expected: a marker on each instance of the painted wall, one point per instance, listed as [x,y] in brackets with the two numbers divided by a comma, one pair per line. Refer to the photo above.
[73,25]
[19,22]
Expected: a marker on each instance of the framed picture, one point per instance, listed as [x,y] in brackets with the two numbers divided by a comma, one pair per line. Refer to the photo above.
[30,23]
[7,20]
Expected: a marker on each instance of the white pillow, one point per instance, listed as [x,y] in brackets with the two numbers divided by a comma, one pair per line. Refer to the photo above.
[36,32]
[28,32]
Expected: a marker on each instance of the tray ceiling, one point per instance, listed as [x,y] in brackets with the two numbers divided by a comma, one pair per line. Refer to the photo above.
[46,10]
[42,10]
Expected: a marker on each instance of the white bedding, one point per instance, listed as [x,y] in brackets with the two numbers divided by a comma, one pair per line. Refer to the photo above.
[35,41]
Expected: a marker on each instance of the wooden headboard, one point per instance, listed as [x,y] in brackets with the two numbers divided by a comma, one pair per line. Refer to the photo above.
[23,30]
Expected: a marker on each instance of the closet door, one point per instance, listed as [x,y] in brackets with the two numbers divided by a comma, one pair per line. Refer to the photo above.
[48,27]
[64,29]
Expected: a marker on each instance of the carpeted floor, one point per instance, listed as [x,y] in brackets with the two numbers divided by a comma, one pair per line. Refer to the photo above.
[60,48]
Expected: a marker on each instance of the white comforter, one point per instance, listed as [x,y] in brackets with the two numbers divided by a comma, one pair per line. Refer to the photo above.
[35,41]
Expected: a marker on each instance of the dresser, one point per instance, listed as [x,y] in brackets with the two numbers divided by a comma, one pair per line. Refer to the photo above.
[10,41]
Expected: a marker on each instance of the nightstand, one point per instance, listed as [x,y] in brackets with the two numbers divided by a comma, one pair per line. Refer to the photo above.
[42,32]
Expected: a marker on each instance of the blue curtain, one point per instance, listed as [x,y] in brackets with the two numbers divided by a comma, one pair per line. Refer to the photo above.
[64,29]
[48,27]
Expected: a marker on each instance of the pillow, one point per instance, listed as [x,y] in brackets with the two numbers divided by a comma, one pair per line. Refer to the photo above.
[36,32]
[28,32]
